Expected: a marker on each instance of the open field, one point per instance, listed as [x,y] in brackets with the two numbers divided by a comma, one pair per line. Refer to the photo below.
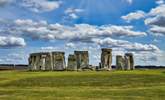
[116,85]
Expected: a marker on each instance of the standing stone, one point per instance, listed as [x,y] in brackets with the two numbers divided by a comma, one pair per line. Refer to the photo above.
[72,63]
[32,62]
[132,62]
[120,62]
[40,61]
[49,62]
[82,59]
[106,59]
[129,60]
[58,61]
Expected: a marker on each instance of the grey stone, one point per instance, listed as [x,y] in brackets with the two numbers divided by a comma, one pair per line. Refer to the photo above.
[72,63]
[58,61]
[106,59]
[120,62]
[82,59]
[47,61]
[40,61]
[129,61]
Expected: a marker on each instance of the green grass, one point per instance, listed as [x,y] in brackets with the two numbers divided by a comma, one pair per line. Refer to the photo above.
[115,85]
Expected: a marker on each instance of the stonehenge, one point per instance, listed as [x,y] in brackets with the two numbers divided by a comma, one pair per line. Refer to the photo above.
[82,59]
[120,62]
[106,59]
[47,61]
[78,61]
[72,63]
[39,61]
[129,65]
[55,61]
[125,63]
[58,61]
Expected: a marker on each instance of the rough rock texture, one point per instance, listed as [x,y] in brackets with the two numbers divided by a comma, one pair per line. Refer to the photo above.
[78,61]
[120,62]
[82,59]
[129,61]
[58,61]
[40,61]
[106,59]
[72,63]
[47,61]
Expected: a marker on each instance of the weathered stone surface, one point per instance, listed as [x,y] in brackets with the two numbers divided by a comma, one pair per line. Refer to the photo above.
[120,62]
[78,61]
[58,61]
[106,59]
[72,63]
[82,59]
[129,61]
[47,61]
[40,61]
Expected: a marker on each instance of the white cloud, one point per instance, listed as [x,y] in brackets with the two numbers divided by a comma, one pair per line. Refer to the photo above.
[150,58]
[73,12]
[134,16]
[155,18]
[121,31]
[73,15]
[157,30]
[40,5]
[126,45]
[80,32]
[2,2]
[1,60]
[156,21]
[160,2]
[11,41]
[49,48]
[129,1]
[29,22]
[70,45]
[159,10]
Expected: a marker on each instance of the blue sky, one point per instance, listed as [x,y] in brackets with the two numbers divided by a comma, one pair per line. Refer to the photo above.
[136,26]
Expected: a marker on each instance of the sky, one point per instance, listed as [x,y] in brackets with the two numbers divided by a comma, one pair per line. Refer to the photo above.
[135,26]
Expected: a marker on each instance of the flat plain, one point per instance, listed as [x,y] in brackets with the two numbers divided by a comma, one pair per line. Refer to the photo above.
[87,85]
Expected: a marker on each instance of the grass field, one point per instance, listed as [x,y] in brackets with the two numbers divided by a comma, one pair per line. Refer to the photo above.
[115,85]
